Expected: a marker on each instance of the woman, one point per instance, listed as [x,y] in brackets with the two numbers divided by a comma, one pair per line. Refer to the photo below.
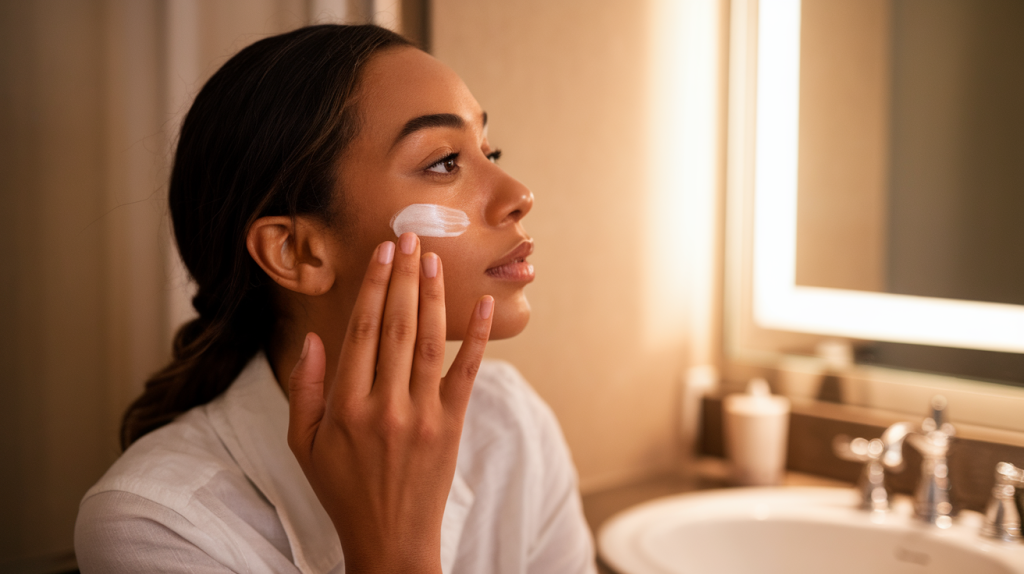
[300,167]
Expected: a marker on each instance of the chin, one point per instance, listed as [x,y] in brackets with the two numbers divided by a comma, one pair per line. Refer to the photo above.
[510,319]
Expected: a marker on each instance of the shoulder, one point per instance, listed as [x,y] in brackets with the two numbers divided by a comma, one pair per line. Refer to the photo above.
[178,493]
[113,526]
[170,464]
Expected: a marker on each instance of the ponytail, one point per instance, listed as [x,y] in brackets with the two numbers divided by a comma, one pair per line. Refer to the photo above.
[207,356]
[262,138]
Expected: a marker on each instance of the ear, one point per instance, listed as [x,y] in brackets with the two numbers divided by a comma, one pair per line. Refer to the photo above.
[294,253]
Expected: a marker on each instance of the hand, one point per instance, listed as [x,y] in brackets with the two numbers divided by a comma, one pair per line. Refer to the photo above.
[378,441]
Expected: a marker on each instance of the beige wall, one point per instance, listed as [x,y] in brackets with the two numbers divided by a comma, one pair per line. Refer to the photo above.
[88,99]
[570,88]
[65,358]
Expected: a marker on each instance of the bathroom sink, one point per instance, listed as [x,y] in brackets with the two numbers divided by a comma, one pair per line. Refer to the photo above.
[795,530]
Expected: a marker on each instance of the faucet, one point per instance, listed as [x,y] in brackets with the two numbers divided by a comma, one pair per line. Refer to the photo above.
[931,500]
[878,455]
[1002,519]
[931,439]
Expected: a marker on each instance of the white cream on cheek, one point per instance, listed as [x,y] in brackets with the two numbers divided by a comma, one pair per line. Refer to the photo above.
[429,220]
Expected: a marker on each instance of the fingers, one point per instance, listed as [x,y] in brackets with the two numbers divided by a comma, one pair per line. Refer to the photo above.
[458,383]
[399,326]
[306,396]
[359,350]
[428,359]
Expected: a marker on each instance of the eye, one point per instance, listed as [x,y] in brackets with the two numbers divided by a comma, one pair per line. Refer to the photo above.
[445,165]
[494,156]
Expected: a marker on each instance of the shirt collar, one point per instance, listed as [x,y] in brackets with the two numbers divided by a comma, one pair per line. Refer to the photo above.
[251,418]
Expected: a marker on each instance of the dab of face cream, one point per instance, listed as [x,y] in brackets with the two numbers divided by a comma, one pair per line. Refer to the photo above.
[429,220]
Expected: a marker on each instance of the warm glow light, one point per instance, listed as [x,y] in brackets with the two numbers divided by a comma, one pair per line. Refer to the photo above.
[682,213]
[778,302]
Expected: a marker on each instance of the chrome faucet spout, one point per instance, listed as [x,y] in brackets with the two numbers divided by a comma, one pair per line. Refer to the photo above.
[931,500]
[892,440]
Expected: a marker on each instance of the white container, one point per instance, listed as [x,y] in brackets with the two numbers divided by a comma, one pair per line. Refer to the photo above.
[756,424]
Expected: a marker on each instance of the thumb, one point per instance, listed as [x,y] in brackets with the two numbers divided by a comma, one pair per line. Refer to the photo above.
[306,396]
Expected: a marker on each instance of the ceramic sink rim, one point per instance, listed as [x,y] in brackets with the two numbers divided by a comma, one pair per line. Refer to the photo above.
[623,539]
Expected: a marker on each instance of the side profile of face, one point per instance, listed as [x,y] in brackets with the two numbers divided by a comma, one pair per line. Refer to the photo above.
[422,142]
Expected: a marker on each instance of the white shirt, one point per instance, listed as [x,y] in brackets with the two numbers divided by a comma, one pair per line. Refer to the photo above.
[218,490]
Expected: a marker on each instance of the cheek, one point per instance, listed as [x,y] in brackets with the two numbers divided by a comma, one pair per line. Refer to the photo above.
[465,253]
[464,280]
[463,273]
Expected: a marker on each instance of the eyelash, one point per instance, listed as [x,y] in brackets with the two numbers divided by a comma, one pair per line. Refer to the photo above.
[494,156]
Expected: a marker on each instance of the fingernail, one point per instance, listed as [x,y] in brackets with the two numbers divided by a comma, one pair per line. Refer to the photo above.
[486,306]
[430,265]
[407,243]
[386,252]
[305,348]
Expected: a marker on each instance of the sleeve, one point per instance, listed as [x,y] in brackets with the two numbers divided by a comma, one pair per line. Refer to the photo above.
[119,532]
[563,543]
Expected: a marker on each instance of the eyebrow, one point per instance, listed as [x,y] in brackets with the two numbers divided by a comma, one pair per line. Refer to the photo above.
[432,121]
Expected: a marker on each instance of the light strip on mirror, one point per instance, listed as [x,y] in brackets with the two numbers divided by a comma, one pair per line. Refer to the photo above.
[781,304]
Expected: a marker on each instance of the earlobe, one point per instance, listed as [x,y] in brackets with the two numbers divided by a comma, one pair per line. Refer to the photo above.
[292,252]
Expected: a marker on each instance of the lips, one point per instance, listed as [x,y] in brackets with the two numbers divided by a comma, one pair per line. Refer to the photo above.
[513,266]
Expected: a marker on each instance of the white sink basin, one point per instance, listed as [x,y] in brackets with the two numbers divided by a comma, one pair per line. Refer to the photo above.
[794,530]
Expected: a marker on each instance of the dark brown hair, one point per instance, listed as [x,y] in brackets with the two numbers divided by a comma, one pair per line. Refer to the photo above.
[263,137]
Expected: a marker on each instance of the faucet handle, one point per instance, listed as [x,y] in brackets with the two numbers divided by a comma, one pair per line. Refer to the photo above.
[857,449]
[937,421]
[1002,519]
[877,455]
[888,450]
[1006,473]
[874,495]
[933,438]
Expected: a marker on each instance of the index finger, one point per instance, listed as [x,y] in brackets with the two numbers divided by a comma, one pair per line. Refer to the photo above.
[358,361]
[458,383]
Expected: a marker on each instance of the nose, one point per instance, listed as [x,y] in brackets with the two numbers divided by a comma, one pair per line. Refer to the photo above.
[511,201]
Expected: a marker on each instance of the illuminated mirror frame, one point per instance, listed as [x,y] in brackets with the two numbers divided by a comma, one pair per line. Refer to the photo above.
[779,303]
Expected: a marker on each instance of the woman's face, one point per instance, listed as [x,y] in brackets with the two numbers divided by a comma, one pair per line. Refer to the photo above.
[423,140]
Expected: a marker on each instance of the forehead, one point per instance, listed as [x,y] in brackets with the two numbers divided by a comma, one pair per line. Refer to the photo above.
[403,83]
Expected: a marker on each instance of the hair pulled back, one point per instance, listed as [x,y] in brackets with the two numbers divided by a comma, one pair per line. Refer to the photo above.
[262,138]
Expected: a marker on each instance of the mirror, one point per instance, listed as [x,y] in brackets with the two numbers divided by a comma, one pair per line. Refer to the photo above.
[920,100]
[887,190]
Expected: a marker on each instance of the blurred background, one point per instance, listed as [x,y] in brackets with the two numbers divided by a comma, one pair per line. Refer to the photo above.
[632,121]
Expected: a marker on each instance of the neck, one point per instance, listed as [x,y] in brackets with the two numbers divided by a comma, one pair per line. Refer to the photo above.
[326,315]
